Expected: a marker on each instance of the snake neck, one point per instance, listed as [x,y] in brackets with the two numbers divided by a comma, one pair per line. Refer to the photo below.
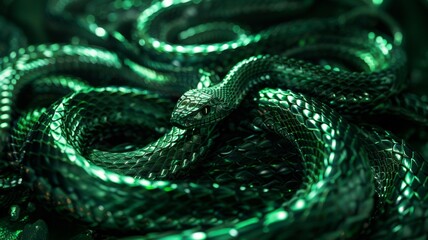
[255,73]
[261,71]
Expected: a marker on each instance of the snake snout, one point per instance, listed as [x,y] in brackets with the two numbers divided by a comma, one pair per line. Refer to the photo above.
[179,122]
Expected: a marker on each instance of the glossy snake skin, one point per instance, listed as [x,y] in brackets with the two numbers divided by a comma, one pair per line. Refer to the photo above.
[183,119]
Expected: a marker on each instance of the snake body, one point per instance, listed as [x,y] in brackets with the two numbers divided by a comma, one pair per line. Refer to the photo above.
[356,181]
[198,107]
[170,49]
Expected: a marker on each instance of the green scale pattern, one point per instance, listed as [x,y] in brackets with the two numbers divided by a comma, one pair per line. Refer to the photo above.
[194,119]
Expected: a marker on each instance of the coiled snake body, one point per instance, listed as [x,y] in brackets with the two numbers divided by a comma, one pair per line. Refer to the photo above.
[358,182]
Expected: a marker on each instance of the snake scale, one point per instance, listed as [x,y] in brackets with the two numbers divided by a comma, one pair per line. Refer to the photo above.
[193,119]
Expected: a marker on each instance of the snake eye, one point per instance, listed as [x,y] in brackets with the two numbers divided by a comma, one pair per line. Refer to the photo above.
[185,102]
[206,110]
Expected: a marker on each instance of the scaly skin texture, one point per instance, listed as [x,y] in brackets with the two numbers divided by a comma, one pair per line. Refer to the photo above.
[79,202]
[11,39]
[207,105]
[401,198]
[108,156]
[173,40]
[400,187]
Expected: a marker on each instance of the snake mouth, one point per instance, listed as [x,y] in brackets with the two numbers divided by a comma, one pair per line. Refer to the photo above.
[188,123]
[180,123]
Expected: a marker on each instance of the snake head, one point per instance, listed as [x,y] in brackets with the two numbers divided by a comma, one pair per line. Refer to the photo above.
[196,108]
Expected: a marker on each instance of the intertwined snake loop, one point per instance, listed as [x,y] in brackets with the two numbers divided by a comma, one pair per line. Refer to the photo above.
[101,139]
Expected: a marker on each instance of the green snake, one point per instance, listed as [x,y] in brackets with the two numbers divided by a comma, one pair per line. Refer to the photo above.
[357,182]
